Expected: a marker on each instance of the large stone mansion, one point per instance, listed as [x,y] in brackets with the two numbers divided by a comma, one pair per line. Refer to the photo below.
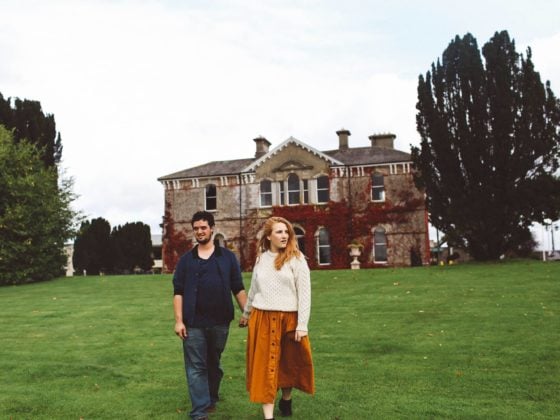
[363,195]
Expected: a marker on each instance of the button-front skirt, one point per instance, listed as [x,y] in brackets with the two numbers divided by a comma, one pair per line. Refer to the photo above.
[274,359]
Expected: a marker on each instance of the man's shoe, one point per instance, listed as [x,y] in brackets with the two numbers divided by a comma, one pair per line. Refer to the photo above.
[285,407]
[211,409]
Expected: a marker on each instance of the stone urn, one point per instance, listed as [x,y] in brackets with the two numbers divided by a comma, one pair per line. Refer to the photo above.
[355,249]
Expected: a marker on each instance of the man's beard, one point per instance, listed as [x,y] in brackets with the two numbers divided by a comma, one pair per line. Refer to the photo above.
[203,241]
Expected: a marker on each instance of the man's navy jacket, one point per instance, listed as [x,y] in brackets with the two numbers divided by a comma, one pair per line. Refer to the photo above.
[185,280]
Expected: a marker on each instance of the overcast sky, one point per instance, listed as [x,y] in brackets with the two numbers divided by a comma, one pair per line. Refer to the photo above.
[141,89]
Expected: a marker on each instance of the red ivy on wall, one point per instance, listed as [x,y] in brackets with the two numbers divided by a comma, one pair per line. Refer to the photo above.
[343,222]
[174,243]
[344,225]
[334,217]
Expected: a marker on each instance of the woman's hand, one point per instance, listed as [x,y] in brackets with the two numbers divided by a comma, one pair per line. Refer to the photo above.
[299,335]
[243,322]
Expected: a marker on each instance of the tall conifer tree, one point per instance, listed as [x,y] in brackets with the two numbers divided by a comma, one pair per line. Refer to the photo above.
[28,121]
[490,142]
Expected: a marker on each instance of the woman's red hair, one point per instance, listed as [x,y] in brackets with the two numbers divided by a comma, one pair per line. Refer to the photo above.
[284,254]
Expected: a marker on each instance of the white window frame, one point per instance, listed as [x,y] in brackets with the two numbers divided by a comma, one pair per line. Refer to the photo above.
[379,188]
[305,191]
[265,193]
[318,190]
[295,193]
[210,197]
[281,193]
[382,230]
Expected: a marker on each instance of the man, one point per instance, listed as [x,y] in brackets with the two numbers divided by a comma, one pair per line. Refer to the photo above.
[203,280]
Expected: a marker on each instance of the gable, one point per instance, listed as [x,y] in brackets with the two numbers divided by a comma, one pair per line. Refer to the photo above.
[290,144]
[292,158]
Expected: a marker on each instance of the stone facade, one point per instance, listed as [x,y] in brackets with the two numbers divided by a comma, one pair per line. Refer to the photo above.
[364,194]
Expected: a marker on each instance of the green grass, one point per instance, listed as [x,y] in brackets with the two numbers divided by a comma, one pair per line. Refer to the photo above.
[476,341]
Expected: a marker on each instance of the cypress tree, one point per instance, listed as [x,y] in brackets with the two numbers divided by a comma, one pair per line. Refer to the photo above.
[490,140]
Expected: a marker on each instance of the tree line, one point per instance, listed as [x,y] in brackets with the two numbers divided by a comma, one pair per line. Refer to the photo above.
[121,250]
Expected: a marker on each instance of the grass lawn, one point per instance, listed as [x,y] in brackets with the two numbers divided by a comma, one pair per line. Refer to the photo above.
[473,341]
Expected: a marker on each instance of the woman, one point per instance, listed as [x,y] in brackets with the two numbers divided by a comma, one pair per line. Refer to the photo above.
[277,312]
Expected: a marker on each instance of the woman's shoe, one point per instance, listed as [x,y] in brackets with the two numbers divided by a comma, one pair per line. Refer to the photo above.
[285,407]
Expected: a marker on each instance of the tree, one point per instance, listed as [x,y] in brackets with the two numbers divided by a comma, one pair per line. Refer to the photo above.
[490,142]
[27,120]
[93,250]
[133,247]
[98,249]
[35,214]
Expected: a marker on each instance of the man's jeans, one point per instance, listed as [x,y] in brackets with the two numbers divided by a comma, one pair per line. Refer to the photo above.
[202,350]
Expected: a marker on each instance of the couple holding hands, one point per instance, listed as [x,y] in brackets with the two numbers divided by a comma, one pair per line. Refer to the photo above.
[276,311]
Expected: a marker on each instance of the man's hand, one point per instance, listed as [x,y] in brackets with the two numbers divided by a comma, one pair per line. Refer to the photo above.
[181,330]
[243,322]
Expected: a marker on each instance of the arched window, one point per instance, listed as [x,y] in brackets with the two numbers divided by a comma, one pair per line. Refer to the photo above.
[266,193]
[379,245]
[323,247]
[211,202]
[323,189]
[300,236]
[293,189]
[377,187]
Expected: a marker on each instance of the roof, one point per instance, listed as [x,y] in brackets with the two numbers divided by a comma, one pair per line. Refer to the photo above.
[216,168]
[368,155]
[372,155]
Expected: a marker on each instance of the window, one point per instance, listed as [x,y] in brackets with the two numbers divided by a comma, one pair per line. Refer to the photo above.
[211,197]
[305,191]
[266,193]
[281,190]
[377,188]
[300,236]
[323,189]
[379,245]
[323,247]
[293,189]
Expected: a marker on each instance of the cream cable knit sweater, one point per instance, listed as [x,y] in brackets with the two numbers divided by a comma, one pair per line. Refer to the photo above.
[287,289]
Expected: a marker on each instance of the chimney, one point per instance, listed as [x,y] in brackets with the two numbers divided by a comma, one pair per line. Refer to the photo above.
[343,139]
[383,140]
[262,146]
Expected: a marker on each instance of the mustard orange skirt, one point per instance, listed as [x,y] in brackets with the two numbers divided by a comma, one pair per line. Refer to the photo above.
[274,359]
